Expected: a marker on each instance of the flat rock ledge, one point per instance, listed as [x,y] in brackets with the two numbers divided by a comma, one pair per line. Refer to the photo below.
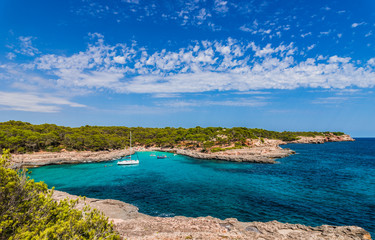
[134,225]
[38,159]
[265,154]
[323,139]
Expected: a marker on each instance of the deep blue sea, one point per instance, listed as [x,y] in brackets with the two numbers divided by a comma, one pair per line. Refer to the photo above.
[331,183]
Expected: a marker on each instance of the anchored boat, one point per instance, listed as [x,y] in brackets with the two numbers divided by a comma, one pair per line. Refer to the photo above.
[129,161]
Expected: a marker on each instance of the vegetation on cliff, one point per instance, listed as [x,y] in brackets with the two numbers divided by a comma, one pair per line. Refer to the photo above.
[21,137]
[27,211]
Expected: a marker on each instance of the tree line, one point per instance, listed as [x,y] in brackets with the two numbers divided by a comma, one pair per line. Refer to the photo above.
[22,137]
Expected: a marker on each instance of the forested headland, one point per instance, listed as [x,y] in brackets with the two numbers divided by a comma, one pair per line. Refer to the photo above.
[23,137]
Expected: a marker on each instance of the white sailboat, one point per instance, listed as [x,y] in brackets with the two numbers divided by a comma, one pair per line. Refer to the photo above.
[130,161]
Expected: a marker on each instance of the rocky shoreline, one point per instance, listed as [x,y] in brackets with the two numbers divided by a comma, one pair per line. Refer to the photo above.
[134,225]
[258,151]
[323,139]
[38,159]
[250,155]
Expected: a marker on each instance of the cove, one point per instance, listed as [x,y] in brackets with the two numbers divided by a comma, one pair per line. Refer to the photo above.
[331,183]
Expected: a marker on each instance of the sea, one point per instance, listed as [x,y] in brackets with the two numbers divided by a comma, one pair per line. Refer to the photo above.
[331,183]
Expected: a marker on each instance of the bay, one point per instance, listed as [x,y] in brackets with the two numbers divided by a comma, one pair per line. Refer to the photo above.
[331,183]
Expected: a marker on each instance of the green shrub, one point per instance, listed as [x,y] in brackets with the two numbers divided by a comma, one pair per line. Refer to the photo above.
[27,211]
[218,149]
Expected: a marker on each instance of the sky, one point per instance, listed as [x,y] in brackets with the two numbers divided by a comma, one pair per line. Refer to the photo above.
[290,65]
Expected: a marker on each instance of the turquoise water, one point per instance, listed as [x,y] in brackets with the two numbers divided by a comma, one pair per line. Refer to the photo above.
[332,183]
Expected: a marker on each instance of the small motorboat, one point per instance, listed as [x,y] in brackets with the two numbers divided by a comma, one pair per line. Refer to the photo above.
[152,155]
[161,157]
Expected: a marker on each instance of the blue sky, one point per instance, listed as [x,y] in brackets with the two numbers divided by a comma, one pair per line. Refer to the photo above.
[273,64]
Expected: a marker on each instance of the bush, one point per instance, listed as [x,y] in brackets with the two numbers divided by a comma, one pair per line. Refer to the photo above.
[27,211]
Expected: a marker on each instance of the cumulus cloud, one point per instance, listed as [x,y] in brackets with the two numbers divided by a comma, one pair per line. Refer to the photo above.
[221,6]
[371,62]
[311,47]
[26,47]
[11,56]
[204,66]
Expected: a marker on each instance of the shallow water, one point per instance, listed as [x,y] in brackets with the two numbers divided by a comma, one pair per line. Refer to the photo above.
[331,183]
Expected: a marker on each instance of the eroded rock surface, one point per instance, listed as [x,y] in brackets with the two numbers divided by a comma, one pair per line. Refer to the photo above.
[261,154]
[133,225]
[323,139]
[48,158]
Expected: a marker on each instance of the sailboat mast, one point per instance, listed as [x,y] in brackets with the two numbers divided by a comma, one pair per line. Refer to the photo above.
[130,140]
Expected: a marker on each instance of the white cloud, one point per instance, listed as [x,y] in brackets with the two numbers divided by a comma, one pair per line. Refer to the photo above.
[330,100]
[166,95]
[11,56]
[26,47]
[326,33]
[221,6]
[336,59]
[31,102]
[306,34]
[203,66]
[349,91]
[244,28]
[354,25]
[368,34]
[311,47]
[371,62]
[240,102]
[202,16]
[252,93]
[119,59]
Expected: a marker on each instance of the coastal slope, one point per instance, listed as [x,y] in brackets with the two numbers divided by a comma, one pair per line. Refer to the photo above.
[134,225]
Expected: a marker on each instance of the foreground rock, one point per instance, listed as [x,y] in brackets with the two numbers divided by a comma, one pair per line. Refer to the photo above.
[38,159]
[133,225]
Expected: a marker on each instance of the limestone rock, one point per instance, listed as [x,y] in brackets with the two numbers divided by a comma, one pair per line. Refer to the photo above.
[133,225]
[38,159]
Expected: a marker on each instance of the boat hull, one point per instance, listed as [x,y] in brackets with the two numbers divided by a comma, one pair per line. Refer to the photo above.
[128,162]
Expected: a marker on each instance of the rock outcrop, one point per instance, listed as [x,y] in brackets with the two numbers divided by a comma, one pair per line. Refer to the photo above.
[38,159]
[133,225]
[323,139]
[265,154]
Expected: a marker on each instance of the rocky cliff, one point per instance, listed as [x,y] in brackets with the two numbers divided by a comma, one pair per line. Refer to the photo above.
[133,225]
